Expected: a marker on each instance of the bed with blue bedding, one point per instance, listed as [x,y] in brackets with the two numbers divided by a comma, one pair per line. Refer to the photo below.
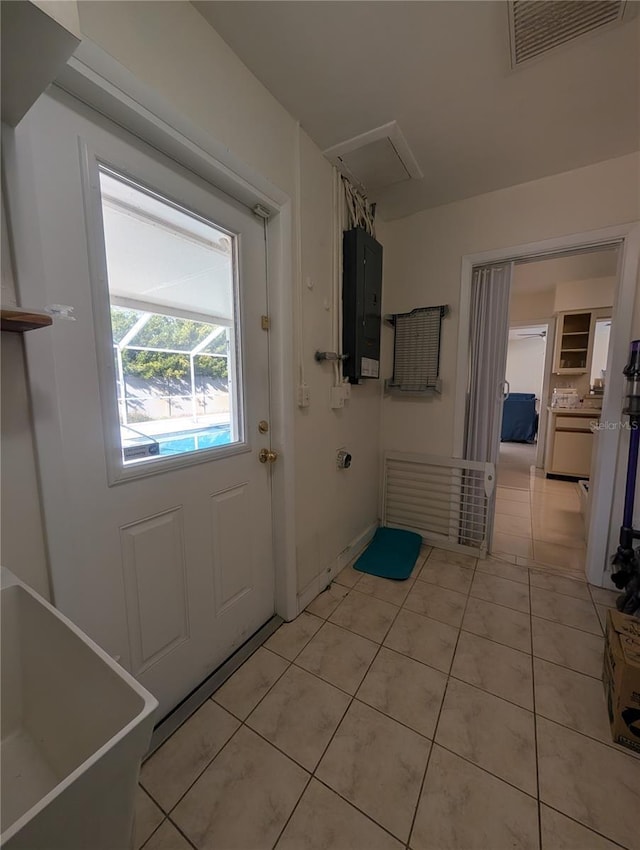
[519,418]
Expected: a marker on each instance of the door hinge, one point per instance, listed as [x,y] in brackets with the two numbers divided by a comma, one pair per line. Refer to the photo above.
[265,323]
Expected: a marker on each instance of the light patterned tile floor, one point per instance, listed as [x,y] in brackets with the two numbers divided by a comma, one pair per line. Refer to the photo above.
[473,724]
[536,518]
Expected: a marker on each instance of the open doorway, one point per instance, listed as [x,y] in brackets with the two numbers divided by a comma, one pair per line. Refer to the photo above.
[524,415]
[560,317]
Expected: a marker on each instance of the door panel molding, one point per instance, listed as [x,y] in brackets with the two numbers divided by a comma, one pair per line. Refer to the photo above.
[231,516]
[154,568]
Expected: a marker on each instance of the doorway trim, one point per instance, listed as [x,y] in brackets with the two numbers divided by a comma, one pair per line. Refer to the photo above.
[627,236]
[102,83]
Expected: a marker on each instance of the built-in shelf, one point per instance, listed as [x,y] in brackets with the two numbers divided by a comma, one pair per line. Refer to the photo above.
[17,320]
[573,343]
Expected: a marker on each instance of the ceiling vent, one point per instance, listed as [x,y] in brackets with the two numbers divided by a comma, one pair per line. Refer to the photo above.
[376,159]
[540,25]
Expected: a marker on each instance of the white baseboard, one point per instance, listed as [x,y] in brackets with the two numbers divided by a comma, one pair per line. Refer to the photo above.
[326,576]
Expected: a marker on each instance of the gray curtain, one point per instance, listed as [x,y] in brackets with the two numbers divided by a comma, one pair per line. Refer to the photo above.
[489,332]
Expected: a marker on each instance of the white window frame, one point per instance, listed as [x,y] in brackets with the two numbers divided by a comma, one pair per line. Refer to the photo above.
[117,471]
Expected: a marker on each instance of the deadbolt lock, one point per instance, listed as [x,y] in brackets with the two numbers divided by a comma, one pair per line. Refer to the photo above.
[267,456]
[263,426]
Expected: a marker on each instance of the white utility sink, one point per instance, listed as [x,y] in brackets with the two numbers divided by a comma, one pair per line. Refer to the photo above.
[75,727]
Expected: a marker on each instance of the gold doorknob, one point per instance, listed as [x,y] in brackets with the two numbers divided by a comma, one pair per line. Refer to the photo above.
[267,456]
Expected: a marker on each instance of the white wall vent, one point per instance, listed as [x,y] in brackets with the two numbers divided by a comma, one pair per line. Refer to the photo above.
[537,26]
[375,159]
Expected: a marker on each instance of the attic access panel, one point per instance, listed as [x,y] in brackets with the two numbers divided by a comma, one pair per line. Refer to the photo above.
[375,159]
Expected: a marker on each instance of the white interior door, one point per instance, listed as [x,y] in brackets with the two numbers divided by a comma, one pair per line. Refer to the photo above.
[157,509]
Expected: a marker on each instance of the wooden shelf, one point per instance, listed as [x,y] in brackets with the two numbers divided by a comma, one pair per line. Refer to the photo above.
[17,320]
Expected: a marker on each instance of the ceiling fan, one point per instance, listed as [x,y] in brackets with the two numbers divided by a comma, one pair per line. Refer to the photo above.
[541,334]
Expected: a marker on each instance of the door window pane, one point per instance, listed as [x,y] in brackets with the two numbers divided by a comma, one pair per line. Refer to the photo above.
[172,295]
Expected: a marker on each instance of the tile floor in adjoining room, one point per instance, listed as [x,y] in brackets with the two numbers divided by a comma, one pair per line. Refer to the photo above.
[459,710]
[536,518]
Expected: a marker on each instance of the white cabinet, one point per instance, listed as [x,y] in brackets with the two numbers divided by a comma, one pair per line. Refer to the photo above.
[574,343]
[570,443]
[572,453]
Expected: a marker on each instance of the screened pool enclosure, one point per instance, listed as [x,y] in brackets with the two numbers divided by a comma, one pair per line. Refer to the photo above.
[172,377]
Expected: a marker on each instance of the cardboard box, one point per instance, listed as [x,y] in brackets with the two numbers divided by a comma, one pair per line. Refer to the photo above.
[621,677]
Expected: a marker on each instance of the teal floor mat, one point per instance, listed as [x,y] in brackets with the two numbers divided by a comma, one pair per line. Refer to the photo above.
[391,554]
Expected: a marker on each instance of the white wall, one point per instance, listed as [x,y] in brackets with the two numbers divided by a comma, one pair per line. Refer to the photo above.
[64,12]
[8,282]
[334,506]
[584,294]
[525,365]
[22,546]
[601,336]
[22,540]
[531,306]
[22,536]
[565,295]
[170,47]
[423,264]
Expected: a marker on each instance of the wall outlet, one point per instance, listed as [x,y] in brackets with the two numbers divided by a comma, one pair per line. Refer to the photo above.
[346,390]
[337,398]
[304,395]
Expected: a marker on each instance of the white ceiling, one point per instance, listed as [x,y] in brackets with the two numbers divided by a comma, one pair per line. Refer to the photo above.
[543,275]
[442,70]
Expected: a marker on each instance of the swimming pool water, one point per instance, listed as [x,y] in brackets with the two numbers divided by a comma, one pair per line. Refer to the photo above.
[172,444]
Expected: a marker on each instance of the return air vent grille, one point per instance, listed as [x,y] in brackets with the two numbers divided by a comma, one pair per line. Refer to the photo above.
[540,25]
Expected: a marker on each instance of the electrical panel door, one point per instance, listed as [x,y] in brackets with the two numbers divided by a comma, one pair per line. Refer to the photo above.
[361,305]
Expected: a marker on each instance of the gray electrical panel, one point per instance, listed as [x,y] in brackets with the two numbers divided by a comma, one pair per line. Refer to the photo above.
[361,304]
